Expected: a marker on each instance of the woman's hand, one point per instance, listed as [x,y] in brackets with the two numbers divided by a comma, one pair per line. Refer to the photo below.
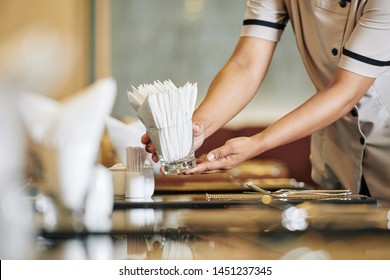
[234,151]
[199,134]
[149,147]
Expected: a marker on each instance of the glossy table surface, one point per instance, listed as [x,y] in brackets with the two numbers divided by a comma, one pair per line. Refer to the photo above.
[220,219]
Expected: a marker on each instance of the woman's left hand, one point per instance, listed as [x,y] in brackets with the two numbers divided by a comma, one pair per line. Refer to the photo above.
[234,151]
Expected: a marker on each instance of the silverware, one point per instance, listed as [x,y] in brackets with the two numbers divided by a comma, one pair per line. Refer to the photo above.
[285,194]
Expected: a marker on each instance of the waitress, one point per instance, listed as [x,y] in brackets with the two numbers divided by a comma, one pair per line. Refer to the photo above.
[345,47]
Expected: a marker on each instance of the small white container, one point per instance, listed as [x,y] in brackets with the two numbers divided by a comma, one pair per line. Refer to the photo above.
[139,184]
[133,184]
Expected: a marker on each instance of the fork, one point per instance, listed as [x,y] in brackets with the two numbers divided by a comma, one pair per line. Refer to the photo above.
[300,194]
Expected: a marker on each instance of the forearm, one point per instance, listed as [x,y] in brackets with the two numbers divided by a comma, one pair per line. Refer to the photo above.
[316,113]
[236,84]
[228,94]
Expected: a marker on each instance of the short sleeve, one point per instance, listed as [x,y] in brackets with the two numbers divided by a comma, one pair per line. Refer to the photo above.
[265,19]
[367,51]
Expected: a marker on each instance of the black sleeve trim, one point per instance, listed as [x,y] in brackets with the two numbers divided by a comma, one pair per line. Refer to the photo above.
[264,23]
[365,59]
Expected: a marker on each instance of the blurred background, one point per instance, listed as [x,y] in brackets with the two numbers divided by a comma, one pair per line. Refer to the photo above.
[190,40]
[142,41]
[58,47]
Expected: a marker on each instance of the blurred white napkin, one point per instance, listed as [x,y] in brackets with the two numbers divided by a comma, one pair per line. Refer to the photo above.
[65,138]
[123,135]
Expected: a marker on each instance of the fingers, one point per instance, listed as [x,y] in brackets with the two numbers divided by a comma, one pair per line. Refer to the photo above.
[198,133]
[218,160]
[149,147]
[234,151]
[145,139]
[201,159]
[196,128]
[155,157]
[220,153]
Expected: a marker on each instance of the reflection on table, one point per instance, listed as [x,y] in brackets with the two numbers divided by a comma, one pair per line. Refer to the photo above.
[216,217]
[185,226]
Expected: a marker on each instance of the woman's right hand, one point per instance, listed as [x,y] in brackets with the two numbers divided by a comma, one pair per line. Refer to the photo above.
[149,147]
[199,134]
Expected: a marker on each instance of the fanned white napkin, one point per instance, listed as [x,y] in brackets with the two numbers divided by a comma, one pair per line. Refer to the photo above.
[65,138]
[162,104]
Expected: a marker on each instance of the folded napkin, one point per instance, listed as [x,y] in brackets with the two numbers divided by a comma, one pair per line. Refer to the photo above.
[64,139]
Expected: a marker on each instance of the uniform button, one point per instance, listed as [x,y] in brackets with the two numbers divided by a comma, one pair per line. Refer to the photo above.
[343,3]
[354,112]
[362,140]
[335,51]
